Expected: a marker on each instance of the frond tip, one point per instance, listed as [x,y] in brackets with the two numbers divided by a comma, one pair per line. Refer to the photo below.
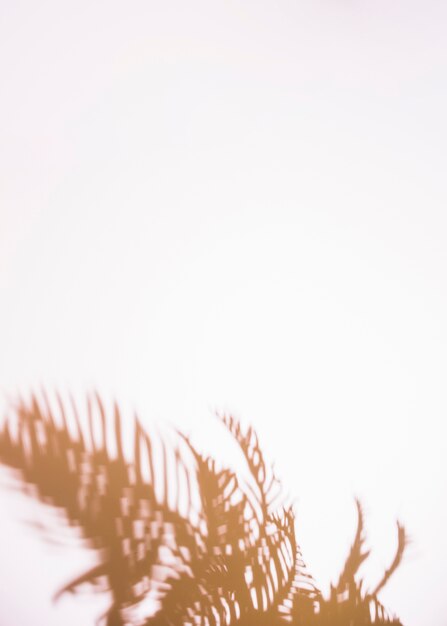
[402,542]
[356,555]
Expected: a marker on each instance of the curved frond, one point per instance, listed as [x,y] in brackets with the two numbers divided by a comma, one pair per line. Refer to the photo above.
[402,542]
[356,554]
[182,541]
[113,501]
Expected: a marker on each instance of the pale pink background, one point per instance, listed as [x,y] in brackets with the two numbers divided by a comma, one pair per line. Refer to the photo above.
[242,206]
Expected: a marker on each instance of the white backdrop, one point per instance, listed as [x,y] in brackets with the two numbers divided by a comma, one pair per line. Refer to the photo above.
[237,206]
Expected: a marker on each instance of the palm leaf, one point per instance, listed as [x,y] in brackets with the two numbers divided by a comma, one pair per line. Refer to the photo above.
[113,501]
[233,560]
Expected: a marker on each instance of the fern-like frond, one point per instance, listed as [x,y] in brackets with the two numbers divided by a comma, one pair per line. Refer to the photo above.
[113,500]
[182,541]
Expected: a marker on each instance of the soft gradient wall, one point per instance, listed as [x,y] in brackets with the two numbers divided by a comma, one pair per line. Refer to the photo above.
[236,205]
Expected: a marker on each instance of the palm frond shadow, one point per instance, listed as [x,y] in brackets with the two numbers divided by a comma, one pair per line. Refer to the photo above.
[227,556]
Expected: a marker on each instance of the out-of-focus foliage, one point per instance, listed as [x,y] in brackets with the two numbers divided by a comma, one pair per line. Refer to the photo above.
[183,541]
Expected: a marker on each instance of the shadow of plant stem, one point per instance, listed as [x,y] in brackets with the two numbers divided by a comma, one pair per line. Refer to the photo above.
[233,559]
